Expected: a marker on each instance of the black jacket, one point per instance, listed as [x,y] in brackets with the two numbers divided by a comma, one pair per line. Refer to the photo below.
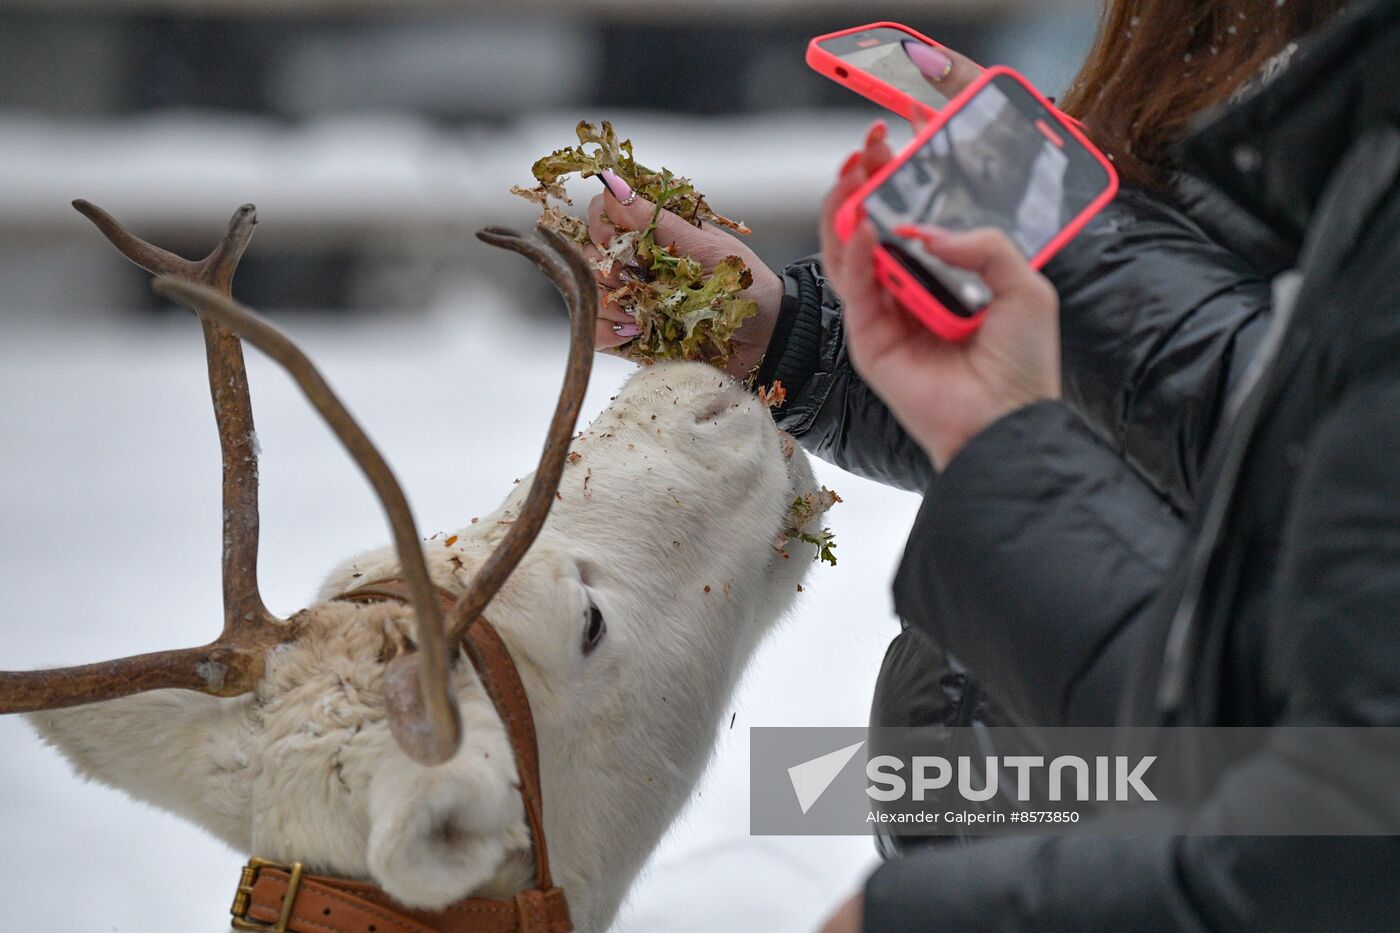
[1156,305]
[1163,302]
[1055,572]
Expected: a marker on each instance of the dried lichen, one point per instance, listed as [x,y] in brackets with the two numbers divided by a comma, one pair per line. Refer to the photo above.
[802,513]
[683,311]
[772,396]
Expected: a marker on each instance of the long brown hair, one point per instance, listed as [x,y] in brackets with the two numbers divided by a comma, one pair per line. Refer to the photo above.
[1156,64]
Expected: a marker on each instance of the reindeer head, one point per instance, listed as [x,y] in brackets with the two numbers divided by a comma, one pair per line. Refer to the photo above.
[358,738]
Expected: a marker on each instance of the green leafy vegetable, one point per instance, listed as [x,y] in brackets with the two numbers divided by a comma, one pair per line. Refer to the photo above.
[683,311]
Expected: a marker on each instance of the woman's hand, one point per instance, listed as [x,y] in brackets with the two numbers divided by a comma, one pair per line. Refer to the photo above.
[707,245]
[945,393]
[948,71]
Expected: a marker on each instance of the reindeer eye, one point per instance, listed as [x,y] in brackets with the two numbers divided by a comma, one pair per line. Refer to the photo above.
[596,629]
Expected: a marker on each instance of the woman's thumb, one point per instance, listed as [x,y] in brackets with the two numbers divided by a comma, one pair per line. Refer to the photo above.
[630,211]
[626,209]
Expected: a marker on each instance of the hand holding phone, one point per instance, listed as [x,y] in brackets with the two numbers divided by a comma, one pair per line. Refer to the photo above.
[944,393]
[999,155]
[897,67]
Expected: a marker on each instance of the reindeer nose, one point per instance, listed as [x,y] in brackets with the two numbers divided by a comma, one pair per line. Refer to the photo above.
[723,402]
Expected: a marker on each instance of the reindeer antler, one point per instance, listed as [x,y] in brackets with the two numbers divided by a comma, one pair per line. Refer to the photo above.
[569,271]
[232,664]
[422,711]
[228,383]
[437,739]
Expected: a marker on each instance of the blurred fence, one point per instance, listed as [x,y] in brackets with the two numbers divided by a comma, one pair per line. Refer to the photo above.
[376,135]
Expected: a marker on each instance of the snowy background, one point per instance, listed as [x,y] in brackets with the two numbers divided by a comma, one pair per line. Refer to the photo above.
[373,145]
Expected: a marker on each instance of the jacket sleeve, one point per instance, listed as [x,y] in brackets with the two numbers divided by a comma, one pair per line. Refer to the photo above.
[1338,662]
[1034,557]
[1156,319]
[829,409]
[1269,884]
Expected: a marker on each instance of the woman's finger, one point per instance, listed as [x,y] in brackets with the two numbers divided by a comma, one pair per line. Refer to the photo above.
[875,324]
[611,317]
[630,211]
[876,153]
[610,313]
[861,286]
[609,310]
[988,252]
[600,230]
[848,181]
[614,333]
[625,211]
[611,278]
[949,71]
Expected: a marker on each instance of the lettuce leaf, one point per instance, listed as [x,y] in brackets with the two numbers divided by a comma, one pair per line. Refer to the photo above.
[684,313]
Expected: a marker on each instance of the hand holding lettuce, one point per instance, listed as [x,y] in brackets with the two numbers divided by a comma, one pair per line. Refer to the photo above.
[685,305]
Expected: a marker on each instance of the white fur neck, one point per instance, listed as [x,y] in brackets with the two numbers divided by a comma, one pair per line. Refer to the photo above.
[666,525]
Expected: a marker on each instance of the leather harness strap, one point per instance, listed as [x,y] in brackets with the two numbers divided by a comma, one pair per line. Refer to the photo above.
[498,675]
[333,905]
[282,898]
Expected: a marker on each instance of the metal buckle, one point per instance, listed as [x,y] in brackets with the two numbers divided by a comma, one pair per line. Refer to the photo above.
[243,897]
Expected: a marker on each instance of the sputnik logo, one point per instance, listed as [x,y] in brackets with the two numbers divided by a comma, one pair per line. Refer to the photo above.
[811,778]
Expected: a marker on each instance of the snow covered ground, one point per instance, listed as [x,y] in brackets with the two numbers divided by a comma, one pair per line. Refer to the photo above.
[109,511]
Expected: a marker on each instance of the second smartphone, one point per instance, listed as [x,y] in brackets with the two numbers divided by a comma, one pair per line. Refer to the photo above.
[999,155]
[876,62]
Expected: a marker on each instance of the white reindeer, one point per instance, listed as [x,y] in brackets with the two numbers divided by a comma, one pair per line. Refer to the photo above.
[666,557]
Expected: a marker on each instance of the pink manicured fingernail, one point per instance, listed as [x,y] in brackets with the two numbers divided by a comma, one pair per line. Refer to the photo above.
[626,330]
[614,183]
[932,64]
[877,134]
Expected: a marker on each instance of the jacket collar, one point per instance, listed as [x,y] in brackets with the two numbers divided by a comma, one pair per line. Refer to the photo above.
[1224,222]
[1273,152]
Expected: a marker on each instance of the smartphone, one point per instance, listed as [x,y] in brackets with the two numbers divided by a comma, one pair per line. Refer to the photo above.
[999,155]
[872,61]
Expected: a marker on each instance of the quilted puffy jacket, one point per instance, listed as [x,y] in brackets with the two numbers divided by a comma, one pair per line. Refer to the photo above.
[1243,569]
[1164,298]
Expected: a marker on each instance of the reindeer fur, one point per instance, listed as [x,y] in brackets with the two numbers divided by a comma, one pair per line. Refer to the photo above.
[667,522]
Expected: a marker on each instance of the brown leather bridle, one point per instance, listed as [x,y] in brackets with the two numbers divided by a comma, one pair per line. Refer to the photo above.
[285,899]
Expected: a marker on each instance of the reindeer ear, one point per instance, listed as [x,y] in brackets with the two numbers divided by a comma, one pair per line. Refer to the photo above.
[437,834]
[178,750]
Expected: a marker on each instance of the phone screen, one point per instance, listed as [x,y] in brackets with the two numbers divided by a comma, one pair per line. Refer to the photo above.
[878,52]
[1002,160]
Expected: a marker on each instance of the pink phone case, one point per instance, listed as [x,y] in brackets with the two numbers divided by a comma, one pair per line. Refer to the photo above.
[893,276]
[867,85]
